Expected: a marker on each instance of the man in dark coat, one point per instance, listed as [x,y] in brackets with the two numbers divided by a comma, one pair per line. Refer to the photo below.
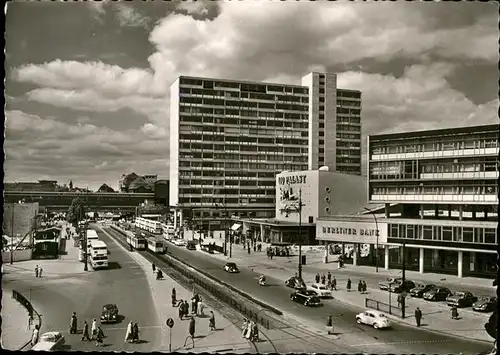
[348,285]
[418,316]
[360,286]
[85,334]
[316,278]
[192,326]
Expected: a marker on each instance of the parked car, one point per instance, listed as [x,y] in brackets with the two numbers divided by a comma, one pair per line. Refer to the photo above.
[109,313]
[420,289]
[461,299]
[49,341]
[207,249]
[384,285]
[231,268]
[179,242]
[485,304]
[437,294]
[307,298]
[321,290]
[191,245]
[400,286]
[296,283]
[374,318]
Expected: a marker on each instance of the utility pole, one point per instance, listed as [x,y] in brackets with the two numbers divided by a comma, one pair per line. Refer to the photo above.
[12,235]
[300,233]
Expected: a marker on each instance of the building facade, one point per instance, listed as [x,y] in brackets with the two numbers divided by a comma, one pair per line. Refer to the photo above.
[229,139]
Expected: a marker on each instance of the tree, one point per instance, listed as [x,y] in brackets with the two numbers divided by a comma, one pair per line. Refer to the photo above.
[71,184]
[76,211]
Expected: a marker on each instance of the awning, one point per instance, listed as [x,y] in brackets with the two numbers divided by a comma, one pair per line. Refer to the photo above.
[236,226]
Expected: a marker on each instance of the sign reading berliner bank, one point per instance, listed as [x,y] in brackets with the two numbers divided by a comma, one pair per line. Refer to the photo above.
[292,179]
[355,232]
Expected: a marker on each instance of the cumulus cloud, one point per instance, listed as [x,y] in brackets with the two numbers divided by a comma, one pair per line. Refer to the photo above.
[194,7]
[128,16]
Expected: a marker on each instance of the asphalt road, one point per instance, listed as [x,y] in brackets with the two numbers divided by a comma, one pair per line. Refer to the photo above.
[124,284]
[399,339]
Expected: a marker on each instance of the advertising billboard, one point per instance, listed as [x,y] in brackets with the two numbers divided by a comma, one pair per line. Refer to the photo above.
[351,231]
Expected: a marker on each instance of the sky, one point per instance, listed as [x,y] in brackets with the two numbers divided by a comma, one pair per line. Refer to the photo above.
[87,83]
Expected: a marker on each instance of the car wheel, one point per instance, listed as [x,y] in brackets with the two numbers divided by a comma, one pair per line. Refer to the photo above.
[358,320]
[375,325]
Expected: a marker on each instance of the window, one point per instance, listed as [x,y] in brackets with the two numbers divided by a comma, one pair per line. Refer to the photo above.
[394,231]
[447,233]
[410,232]
[489,236]
[467,235]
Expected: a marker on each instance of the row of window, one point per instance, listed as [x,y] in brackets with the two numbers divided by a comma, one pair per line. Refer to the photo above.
[465,189]
[220,174]
[354,103]
[238,139]
[236,111]
[264,151]
[227,98]
[349,145]
[288,165]
[243,181]
[224,201]
[240,130]
[277,157]
[437,144]
[266,121]
[346,153]
[348,161]
[348,128]
[347,120]
[209,190]
[348,136]
[443,233]
[348,94]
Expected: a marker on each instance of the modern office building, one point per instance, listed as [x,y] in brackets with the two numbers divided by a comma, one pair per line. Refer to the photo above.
[229,139]
[334,125]
[439,196]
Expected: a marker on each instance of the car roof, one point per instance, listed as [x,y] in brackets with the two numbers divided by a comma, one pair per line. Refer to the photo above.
[307,293]
[230,264]
[52,333]
[377,313]
[110,305]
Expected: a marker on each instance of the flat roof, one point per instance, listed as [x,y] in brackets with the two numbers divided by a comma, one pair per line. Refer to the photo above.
[435,132]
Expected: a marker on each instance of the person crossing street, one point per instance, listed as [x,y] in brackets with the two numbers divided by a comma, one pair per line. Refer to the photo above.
[418,316]
[85,333]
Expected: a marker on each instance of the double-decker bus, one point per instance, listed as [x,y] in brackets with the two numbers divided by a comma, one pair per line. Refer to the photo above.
[98,254]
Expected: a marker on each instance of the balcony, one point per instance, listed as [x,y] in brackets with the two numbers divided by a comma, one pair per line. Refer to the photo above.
[460,175]
[437,154]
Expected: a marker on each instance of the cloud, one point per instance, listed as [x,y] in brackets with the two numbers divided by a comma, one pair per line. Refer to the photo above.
[97,9]
[128,16]
[194,7]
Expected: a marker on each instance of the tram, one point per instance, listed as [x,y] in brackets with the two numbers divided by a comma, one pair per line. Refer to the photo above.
[136,241]
[156,246]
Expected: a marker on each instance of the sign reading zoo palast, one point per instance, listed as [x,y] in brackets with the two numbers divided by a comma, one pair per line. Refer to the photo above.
[292,179]
[354,232]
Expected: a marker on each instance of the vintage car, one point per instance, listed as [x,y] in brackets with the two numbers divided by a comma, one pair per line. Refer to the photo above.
[437,294]
[296,283]
[400,286]
[461,299]
[420,289]
[374,318]
[231,268]
[49,341]
[109,313]
[321,290]
[385,285]
[485,304]
[307,298]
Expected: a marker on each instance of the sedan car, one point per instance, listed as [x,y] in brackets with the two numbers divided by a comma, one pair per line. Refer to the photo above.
[485,304]
[437,294]
[384,285]
[109,313]
[420,289]
[231,268]
[307,298]
[374,318]
[296,283]
[398,287]
[49,341]
[321,290]
[179,242]
[461,299]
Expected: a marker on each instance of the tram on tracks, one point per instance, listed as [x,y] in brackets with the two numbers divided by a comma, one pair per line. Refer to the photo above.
[138,242]
[156,246]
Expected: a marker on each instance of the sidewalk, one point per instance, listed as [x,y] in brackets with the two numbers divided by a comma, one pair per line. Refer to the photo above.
[436,315]
[226,338]
[15,330]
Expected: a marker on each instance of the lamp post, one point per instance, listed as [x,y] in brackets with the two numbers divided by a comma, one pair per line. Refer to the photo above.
[12,235]
[376,234]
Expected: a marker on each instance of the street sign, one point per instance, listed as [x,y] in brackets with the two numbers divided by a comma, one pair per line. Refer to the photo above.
[170,322]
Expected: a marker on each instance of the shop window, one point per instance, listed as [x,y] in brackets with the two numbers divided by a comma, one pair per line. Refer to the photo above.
[478,235]
[428,232]
[437,233]
[467,235]
[489,236]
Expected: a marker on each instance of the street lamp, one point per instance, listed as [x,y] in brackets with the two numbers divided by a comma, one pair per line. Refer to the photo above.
[376,233]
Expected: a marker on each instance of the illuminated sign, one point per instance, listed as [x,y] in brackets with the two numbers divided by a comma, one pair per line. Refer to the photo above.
[293,179]
[352,231]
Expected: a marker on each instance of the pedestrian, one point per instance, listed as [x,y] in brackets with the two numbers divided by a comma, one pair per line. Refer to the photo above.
[244,328]
[329,277]
[40,272]
[94,328]
[174,301]
[271,254]
[85,333]
[201,308]
[348,285]
[135,332]
[174,295]
[181,309]
[36,271]
[34,336]
[454,312]
[248,248]
[364,286]
[255,332]
[418,316]
[360,286]
[193,305]
[400,300]
[99,336]
[254,247]
[185,308]
[73,324]
[317,278]
[334,283]
[192,326]
[211,321]
[323,279]
[154,267]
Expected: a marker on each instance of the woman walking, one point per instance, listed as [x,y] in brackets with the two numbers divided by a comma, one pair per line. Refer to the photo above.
[128,334]
[99,336]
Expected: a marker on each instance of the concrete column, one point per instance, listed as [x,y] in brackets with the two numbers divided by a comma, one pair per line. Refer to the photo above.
[459,263]
[436,211]
[387,214]
[175,219]
[472,261]
[421,261]
[355,255]
[262,232]
[473,212]
[435,257]
[422,211]
[327,246]
[449,211]
[343,249]
[485,213]
[460,212]
[386,257]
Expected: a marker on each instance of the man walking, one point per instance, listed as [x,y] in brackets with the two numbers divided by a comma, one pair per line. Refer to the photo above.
[334,283]
[211,321]
[329,277]
[85,334]
[418,316]
[348,285]
[192,326]
[36,271]
[40,272]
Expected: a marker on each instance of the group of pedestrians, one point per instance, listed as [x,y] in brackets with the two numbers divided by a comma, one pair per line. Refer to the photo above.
[132,334]
[250,330]
[38,271]
[96,331]
[197,309]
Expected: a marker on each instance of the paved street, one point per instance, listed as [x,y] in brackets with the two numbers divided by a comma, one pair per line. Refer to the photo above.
[15,329]
[401,338]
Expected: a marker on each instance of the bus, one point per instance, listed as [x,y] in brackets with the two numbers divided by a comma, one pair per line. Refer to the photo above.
[98,254]
[91,235]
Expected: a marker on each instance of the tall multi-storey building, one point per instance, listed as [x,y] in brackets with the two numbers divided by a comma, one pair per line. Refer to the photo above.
[229,139]
[334,125]
[445,184]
